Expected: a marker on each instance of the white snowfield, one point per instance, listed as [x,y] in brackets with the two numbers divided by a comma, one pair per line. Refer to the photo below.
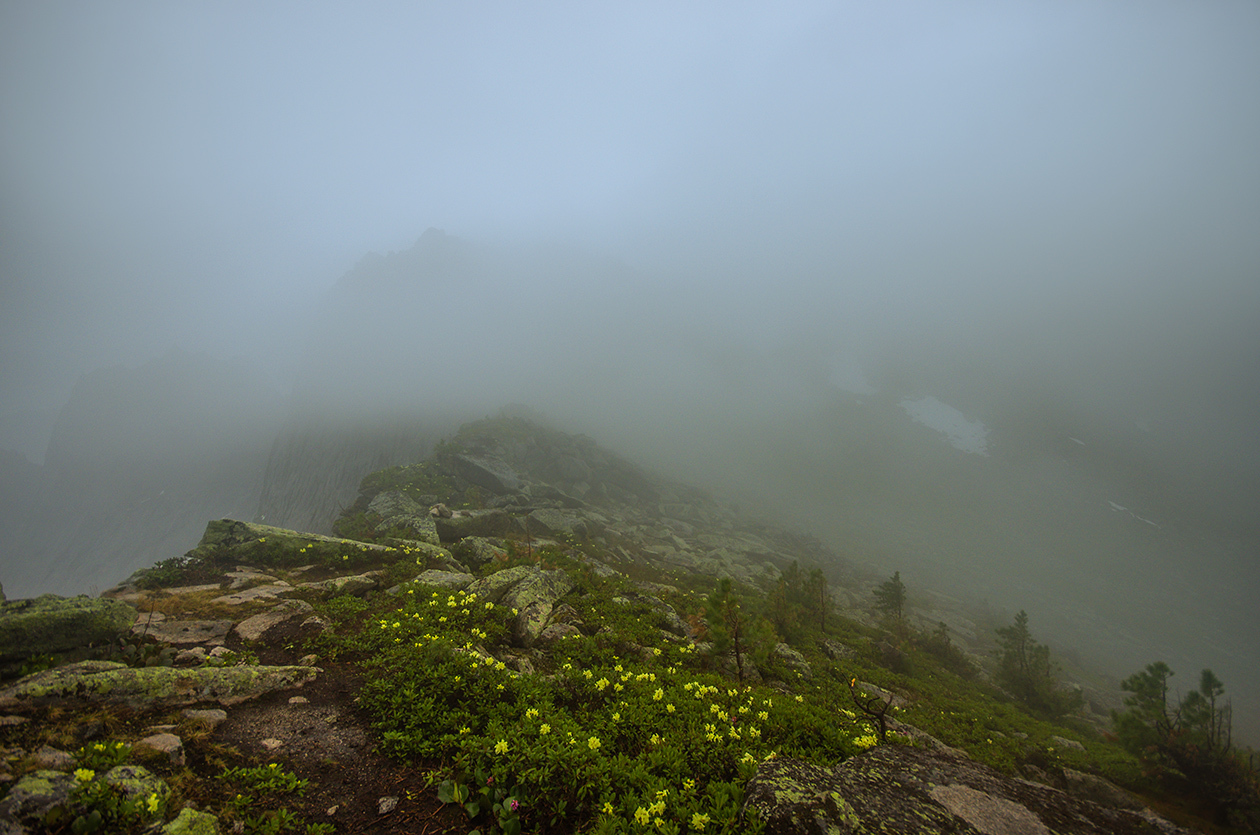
[967,435]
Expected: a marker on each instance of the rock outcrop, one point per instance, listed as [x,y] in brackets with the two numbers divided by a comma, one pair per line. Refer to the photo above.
[110,681]
[50,624]
[911,791]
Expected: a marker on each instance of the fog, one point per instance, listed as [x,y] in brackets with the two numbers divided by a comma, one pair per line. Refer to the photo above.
[760,249]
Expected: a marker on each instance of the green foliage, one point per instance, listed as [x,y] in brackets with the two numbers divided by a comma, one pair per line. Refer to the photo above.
[102,756]
[135,651]
[268,779]
[1188,744]
[97,806]
[799,604]
[1026,670]
[166,573]
[890,597]
[256,786]
[938,644]
[424,482]
[736,627]
[610,737]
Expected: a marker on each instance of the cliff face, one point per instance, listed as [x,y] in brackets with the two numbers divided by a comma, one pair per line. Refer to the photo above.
[314,467]
[138,460]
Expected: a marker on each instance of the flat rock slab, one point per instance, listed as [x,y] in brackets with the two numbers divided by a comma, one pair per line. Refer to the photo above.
[252,629]
[355,584]
[181,590]
[107,681]
[896,788]
[445,579]
[184,632]
[267,592]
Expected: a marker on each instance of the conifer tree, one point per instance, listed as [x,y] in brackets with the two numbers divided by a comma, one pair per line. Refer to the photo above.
[890,597]
[1027,672]
[733,627]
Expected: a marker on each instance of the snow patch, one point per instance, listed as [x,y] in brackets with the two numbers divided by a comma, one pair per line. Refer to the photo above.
[967,435]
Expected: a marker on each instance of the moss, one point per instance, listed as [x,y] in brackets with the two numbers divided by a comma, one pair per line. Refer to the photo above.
[108,681]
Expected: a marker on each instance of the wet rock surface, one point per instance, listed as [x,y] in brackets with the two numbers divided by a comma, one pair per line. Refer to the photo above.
[912,791]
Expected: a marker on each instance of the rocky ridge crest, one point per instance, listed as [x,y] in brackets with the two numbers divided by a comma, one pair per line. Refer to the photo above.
[525,488]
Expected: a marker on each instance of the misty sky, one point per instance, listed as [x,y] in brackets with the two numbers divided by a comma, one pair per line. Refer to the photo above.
[197,174]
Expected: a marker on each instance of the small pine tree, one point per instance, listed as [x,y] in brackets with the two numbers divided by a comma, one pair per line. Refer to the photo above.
[734,628]
[890,597]
[1190,741]
[816,600]
[1027,672]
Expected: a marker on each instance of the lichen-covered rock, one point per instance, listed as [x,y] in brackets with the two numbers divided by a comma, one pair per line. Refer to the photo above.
[444,579]
[476,551]
[793,660]
[488,472]
[398,509]
[355,584]
[494,586]
[136,782]
[34,795]
[107,681]
[915,792]
[495,522]
[192,822]
[254,628]
[534,597]
[229,541]
[50,624]
[553,521]
[181,632]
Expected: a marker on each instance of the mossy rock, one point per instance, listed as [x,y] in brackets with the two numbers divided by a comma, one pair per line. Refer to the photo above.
[50,624]
[192,822]
[230,541]
[108,681]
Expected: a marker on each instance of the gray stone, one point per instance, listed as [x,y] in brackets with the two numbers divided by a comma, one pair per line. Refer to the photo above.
[495,522]
[486,471]
[35,794]
[268,592]
[192,822]
[533,597]
[398,509]
[178,632]
[212,717]
[445,579]
[164,744]
[55,758]
[793,660]
[50,624]
[553,521]
[355,584]
[385,805]
[476,551]
[1100,791]
[494,586]
[837,651]
[1064,742]
[241,578]
[896,788]
[556,632]
[106,681]
[196,655]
